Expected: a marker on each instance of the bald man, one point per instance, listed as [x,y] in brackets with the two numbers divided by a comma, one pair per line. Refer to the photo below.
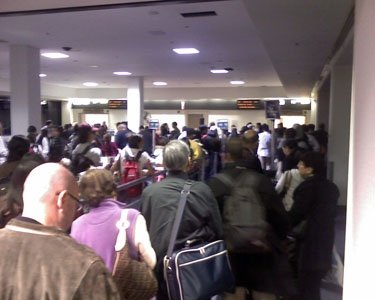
[38,260]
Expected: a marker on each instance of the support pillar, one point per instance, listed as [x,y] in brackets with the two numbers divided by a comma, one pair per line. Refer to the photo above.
[322,108]
[339,133]
[135,96]
[360,241]
[24,88]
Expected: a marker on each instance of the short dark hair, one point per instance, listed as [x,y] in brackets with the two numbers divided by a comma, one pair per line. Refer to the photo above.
[18,146]
[290,143]
[134,141]
[315,161]
[234,147]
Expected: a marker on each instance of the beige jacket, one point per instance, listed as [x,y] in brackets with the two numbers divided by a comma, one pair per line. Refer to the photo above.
[43,262]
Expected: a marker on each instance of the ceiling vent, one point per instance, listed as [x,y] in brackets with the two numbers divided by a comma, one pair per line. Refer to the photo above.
[199,14]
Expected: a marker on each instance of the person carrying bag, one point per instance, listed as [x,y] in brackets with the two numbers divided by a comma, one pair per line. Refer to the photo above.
[199,270]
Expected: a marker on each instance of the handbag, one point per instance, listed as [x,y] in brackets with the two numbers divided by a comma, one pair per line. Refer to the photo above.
[134,278]
[198,271]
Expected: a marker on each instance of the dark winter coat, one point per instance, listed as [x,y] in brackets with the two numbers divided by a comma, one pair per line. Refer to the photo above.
[315,200]
[201,218]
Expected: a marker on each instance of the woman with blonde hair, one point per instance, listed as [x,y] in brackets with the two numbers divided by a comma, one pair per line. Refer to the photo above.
[108,227]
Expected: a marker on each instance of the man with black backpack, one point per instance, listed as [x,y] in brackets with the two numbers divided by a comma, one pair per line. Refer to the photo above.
[254,222]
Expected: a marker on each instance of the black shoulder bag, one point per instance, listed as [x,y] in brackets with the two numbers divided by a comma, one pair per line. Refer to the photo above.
[196,272]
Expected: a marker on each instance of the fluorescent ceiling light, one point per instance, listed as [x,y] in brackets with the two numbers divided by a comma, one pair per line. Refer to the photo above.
[282,101]
[42,75]
[186,50]
[122,73]
[219,71]
[159,83]
[55,55]
[90,84]
[237,82]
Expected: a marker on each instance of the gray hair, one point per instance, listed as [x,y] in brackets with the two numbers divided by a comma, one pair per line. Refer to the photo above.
[176,155]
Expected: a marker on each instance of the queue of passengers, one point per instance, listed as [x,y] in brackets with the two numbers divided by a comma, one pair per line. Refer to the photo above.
[116,252]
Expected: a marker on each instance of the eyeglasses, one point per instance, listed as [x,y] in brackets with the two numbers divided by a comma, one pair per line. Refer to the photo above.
[76,199]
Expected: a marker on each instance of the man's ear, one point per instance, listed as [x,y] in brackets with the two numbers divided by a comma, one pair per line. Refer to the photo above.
[61,198]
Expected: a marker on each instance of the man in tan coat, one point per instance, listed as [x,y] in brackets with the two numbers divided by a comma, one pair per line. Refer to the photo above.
[38,260]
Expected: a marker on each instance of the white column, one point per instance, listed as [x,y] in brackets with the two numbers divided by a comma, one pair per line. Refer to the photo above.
[135,103]
[24,88]
[339,133]
[360,240]
[322,108]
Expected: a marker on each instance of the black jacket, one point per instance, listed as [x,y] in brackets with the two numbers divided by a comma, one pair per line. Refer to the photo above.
[315,200]
[201,219]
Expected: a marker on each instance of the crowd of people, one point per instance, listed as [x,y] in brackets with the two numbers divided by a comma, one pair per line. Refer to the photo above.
[68,234]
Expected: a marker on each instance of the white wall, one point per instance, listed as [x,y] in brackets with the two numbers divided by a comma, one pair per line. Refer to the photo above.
[236,117]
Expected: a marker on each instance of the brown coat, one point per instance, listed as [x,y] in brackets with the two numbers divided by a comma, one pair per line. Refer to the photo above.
[45,263]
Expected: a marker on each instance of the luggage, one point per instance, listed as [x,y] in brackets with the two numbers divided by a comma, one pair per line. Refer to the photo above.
[130,173]
[198,271]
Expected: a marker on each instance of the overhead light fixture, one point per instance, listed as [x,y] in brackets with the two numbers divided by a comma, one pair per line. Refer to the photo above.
[90,84]
[186,50]
[237,82]
[159,83]
[219,71]
[122,73]
[55,55]
[42,75]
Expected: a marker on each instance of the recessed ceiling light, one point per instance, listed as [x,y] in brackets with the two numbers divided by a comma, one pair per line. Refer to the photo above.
[55,55]
[219,71]
[186,50]
[42,75]
[159,83]
[90,84]
[237,82]
[122,73]
[94,66]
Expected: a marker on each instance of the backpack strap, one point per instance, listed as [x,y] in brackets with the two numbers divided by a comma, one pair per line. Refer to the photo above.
[177,221]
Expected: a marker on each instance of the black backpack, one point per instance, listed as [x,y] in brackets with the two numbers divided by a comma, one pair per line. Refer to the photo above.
[245,225]
[81,162]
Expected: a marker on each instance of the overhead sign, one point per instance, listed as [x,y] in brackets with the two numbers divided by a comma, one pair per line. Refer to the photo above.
[249,104]
[222,124]
[117,104]
[153,124]
[272,108]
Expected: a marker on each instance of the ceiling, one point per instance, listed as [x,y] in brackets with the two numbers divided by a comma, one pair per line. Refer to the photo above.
[269,43]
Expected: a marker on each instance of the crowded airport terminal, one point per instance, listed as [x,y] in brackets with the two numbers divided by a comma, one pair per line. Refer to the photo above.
[187,150]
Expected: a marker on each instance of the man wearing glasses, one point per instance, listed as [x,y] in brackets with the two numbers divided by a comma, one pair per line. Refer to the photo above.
[38,259]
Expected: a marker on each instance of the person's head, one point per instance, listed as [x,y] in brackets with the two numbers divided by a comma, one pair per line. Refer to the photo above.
[49,123]
[51,201]
[97,185]
[264,127]
[32,129]
[55,131]
[135,141]
[321,126]
[18,178]
[121,127]
[190,133]
[176,155]
[311,163]
[290,133]
[289,146]
[174,125]
[85,133]
[234,149]
[310,128]
[107,138]
[250,140]
[18,146]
